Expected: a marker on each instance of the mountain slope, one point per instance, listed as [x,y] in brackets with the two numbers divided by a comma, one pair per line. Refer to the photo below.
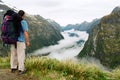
[41,32]
[57,26]
[104,40]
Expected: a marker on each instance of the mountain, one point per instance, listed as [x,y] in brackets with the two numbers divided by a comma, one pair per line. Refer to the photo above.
[116,10]
[84,26]
[55,24]
[104,40]
[41,32]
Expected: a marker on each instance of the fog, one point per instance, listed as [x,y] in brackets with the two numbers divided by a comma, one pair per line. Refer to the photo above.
[67,48]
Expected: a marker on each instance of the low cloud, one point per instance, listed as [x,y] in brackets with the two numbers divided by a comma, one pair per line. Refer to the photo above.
[67,48]
[91,61]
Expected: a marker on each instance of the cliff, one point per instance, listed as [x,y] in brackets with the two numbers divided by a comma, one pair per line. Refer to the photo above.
[104,40]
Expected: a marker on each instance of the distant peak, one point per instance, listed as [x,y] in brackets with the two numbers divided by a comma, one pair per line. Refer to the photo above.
[116,9]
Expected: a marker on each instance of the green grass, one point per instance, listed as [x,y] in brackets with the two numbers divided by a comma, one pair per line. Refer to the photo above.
[42,68]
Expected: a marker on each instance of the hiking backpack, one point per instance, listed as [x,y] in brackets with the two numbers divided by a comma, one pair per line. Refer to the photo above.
[8,34]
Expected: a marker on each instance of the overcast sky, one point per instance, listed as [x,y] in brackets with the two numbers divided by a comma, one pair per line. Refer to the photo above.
[66,11]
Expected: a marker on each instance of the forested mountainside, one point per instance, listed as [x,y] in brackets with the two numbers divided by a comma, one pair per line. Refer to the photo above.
[41,32]
[104,40]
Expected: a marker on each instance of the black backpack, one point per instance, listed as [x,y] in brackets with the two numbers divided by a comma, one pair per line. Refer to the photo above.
[10,28]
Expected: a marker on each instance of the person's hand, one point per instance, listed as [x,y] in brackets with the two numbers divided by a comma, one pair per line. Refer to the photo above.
[27,44]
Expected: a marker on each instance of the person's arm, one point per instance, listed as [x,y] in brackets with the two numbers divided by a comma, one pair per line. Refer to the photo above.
[25,31]
[26,38]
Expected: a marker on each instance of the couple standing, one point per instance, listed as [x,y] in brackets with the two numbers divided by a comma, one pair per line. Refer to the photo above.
[18,50]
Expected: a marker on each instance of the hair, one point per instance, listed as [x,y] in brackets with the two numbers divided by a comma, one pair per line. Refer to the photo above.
[21,13]
[9,13]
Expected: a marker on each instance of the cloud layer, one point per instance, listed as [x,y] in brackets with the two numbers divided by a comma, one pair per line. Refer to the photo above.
[67,48]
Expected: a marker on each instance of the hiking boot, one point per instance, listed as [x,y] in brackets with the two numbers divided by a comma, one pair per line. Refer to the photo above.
[21,72]
[13,70]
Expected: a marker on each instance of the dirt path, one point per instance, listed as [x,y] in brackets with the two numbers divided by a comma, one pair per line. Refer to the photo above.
[5,74]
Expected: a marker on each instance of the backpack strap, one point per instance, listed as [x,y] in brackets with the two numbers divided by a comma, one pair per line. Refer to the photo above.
[15,45]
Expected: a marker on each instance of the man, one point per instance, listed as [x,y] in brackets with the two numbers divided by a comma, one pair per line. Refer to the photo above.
[18,52]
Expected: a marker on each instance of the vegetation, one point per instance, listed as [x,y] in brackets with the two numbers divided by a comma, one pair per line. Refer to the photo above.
[42,68]
[104,41]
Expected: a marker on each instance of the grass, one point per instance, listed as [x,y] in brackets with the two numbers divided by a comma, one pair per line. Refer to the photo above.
[42,68]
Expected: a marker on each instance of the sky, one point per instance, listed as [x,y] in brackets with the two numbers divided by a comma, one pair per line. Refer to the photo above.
[66,11]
